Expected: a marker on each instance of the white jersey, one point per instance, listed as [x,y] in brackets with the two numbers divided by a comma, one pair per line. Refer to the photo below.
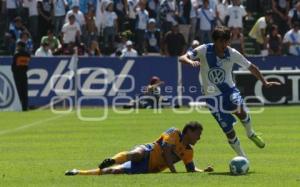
[215,72]
[293,38]
[236,14]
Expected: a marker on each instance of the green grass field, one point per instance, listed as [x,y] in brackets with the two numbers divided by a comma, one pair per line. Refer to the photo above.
[38,146]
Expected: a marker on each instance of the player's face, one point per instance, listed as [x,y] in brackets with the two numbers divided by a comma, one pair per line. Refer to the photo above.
[220,46]
[194,136]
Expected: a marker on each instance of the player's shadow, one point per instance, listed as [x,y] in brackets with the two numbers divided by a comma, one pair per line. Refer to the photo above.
[229,174]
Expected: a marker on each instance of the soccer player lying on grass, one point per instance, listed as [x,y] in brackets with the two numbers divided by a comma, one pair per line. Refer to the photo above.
[171,147]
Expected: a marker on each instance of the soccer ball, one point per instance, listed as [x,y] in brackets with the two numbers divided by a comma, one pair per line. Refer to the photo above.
[239,165]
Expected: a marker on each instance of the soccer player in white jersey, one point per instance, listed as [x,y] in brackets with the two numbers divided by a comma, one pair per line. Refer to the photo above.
[216,61]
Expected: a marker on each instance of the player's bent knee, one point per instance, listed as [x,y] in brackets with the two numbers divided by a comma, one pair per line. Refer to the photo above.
[136,155]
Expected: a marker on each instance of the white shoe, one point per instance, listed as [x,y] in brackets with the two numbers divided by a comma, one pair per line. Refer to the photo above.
[72,172]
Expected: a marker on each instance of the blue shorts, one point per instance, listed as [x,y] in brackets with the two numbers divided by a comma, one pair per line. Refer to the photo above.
[142,166]
[223,105]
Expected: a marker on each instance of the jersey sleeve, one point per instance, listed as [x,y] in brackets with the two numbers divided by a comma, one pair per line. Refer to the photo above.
[196,53]
[170,137]
[239,59]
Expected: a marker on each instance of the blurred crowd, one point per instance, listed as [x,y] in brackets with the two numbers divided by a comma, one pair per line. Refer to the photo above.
[142,27]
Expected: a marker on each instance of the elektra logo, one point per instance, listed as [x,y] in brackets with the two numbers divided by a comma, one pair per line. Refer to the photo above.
[7,94]
[216,75]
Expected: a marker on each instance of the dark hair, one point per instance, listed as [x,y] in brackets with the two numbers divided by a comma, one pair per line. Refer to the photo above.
[295,24]
[50,31]
[24,33]
[154,80]
[274,27]
[221,33]
[193,126]
[21,44]
[269,13]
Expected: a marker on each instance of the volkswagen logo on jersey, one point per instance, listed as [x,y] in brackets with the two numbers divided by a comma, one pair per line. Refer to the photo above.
[216,75]
[7,94]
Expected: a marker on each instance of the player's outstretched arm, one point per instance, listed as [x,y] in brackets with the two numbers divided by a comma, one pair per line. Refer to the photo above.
[207,169]
[186,60]
[255,71]
[167,154]
[192,168]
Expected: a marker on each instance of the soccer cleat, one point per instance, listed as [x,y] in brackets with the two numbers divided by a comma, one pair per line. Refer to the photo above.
[72,172]
[107,163]
[259,142]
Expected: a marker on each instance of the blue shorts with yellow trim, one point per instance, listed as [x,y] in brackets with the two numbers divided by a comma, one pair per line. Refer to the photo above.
[142,166]
[223,105]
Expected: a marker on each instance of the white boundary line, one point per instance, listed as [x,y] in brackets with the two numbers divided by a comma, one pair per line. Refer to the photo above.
[31,125]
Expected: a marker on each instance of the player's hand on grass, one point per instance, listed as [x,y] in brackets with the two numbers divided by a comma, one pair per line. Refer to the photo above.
[270,84]
[209,169]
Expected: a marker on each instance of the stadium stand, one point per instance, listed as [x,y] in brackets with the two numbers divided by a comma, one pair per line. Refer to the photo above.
[130,19]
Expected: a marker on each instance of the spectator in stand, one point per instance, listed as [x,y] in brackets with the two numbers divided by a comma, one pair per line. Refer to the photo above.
[236,12]
[213,4]
[91,28]
[193,19]
[153,8]
[110,26]
[274,41]
[79,17]
[132,6]
[94,49]
[59,12]
[207,22]
[121,42]
[152,38]
[45,9]
[292,39]
[221,12]
[237,40]
[44,50]
[168,15]
[294,14]
[99,12]
[142,18]
[53,42]
[33,21]
[71,32]
[83,4]
[25,38]
[184,11]
[11,10]
[259,30]
[120,7]
[129,51]
[23,11]
[15,30]
[281,9]
[174,42]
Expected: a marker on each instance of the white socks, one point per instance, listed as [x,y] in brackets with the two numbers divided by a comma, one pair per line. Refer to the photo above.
[248,126]
[235,144]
